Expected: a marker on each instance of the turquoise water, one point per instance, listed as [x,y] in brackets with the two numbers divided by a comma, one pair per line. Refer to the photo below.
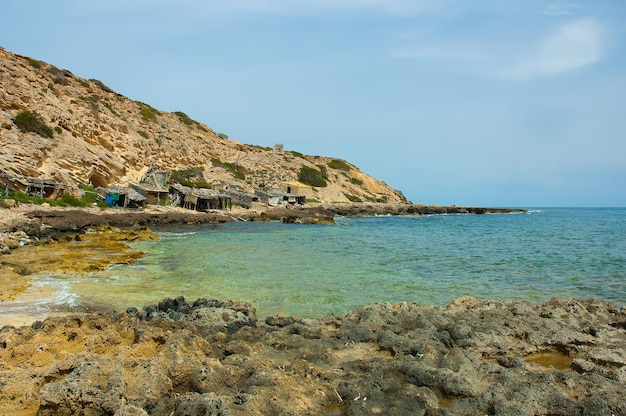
[309,270]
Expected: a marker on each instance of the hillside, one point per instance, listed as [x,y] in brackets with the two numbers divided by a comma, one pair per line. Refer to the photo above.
[84,133]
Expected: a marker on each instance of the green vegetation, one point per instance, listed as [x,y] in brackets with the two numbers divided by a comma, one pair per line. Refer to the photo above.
[88,98]
[266,148]
[31,122]
[185,118]
[238,171]
[356,181]
[324,171]
[107,105]
[339,164]
[300,155]
[67,200]
[58,129]
[142,134]
[147,113]
[59,76]
[191,177]
[353,198]
[312,177]
[189,121]
[35,63]
[84,83]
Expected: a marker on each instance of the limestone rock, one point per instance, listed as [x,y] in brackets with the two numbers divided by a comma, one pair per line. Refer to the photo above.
[214,357]
[100,137]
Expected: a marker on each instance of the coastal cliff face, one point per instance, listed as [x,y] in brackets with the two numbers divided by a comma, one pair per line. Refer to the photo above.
[85,133]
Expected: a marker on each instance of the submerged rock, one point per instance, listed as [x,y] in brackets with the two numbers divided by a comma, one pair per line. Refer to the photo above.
[214,357]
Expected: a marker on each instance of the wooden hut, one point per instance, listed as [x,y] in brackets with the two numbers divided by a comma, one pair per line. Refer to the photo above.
[122,197]
[42,188]
[153,194]
[198,199]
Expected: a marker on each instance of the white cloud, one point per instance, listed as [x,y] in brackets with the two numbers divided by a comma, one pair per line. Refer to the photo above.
[558,9]
[572,46]
[566,48]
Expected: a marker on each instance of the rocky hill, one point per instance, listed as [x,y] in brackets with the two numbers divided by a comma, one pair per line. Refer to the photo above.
[55,125]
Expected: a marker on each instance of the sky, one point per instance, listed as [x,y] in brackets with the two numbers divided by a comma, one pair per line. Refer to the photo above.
[469,102]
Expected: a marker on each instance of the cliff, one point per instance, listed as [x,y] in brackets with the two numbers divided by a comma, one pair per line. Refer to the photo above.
[55,125]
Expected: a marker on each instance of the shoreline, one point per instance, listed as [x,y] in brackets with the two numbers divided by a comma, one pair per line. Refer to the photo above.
[27,217]
[565,356]
[26,231]
[472,356]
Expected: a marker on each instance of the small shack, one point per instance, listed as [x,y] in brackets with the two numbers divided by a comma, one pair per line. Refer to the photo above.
[42,188]
[153,194]
[273,198]
[241,198]
[198,199]
[297,189]
[122,197]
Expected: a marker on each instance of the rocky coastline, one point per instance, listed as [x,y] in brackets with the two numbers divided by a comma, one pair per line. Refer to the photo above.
[216,357]
[209,356]
[28,224]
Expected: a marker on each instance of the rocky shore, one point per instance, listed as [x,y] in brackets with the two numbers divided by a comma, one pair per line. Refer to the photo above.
[30,224]
[472,357]
[217,357]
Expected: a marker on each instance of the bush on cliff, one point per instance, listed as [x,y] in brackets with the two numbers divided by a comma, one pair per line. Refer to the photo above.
[31,122]
[311,177]
[191,177]
[339,164]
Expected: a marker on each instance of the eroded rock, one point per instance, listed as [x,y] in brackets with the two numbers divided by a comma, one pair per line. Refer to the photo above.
[215,357]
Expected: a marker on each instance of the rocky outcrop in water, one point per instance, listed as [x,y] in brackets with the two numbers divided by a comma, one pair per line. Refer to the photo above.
[367,209]
[561,357]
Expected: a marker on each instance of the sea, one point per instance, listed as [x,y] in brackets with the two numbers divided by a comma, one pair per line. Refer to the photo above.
[314,270]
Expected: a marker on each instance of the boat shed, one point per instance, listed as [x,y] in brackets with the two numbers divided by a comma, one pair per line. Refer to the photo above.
[119,196]
[153,194]
[198,199]
[43,188]
[241,198]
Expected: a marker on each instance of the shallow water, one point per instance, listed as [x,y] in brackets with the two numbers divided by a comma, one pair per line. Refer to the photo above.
[309,270]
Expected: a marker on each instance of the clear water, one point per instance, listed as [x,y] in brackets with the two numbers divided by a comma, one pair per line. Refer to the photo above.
[308,270]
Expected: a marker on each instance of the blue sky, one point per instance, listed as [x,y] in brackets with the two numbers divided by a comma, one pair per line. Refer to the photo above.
[468,102]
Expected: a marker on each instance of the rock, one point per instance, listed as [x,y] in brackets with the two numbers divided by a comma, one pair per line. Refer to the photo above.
[470,357]
[130,410]
[194,404]
[9,203]
[97,134]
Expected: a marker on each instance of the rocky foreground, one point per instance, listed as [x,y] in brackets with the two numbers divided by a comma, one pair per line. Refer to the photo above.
[214,357]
